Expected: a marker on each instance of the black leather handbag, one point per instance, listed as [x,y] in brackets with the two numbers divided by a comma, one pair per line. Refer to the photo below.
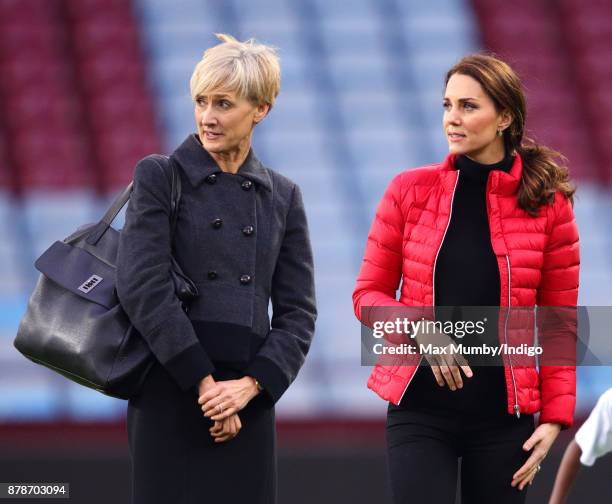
[74,323]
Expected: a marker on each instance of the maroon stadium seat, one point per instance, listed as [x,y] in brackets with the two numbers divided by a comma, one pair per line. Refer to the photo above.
[527,34]
[43,119]
[52,160]
[113,79]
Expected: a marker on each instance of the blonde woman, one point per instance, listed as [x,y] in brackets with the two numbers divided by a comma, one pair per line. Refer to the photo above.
[202,429]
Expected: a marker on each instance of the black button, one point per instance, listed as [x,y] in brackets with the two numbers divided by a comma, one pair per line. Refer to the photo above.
[217,223]
[246,185]
[248,230]
[211,179]
[212,275]
[245,279]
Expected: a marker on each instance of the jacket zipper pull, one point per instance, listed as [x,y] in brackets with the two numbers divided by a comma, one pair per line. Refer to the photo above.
[516,411]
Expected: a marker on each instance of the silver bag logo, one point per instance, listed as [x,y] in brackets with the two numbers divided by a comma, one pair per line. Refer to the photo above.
[90,283]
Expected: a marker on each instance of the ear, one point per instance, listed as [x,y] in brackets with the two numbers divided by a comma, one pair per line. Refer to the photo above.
[505,120]
[261,111]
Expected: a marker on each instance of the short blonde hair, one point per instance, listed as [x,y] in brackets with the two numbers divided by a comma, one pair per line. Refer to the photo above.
[249,69]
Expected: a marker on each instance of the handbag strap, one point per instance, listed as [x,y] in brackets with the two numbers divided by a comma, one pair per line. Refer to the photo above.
[175,199]
[118,204]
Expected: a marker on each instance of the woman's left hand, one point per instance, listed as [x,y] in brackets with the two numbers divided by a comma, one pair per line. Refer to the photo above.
[227,397]
[540,441]
[225,430]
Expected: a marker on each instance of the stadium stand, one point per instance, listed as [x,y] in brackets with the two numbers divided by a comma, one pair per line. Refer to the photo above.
[90,86]
[529,35]
[587,27]
[121,111]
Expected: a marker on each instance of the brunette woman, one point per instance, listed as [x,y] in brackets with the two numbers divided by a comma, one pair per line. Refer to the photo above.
[492,225]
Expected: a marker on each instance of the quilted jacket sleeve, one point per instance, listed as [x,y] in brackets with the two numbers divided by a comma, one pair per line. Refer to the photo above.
[144,286]
[559,287]
[381,268]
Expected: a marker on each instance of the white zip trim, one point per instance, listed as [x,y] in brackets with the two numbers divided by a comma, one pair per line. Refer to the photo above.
[411,378]
[516,406]
[433,283]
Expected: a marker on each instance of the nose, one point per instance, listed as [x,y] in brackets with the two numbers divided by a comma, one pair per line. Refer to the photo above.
[208,117]
[452,116]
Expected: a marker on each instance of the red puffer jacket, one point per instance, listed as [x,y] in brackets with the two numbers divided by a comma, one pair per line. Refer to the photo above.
[538,260]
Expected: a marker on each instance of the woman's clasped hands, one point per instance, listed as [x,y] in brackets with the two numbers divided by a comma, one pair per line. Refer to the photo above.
[222,400]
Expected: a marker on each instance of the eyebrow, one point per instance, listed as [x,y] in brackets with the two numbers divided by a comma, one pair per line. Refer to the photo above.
[217,96]
[465,99]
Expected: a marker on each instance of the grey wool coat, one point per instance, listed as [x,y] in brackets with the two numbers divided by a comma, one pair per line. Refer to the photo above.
[243,239]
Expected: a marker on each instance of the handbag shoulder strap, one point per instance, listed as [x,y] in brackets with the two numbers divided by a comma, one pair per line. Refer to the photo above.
[175,194]
[175,189]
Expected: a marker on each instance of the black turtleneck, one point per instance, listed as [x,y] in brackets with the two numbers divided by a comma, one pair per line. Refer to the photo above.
[467,274]
[466,269]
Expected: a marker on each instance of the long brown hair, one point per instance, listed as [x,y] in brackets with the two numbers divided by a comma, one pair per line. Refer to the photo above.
[542,173]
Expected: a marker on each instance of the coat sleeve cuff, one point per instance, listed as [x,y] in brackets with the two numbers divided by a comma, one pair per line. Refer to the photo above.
[189,366]
[269,375]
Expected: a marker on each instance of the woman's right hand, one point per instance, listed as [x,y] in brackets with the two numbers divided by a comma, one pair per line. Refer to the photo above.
[226,429]
[446,367]
[222,430]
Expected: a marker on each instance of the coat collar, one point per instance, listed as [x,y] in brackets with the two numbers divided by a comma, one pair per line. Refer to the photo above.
[501,182]
[199,164]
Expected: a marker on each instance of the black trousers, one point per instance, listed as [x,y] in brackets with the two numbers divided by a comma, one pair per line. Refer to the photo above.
[175,460]
[425,441]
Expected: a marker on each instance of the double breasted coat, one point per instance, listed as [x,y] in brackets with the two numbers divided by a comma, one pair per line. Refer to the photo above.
[243,239]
